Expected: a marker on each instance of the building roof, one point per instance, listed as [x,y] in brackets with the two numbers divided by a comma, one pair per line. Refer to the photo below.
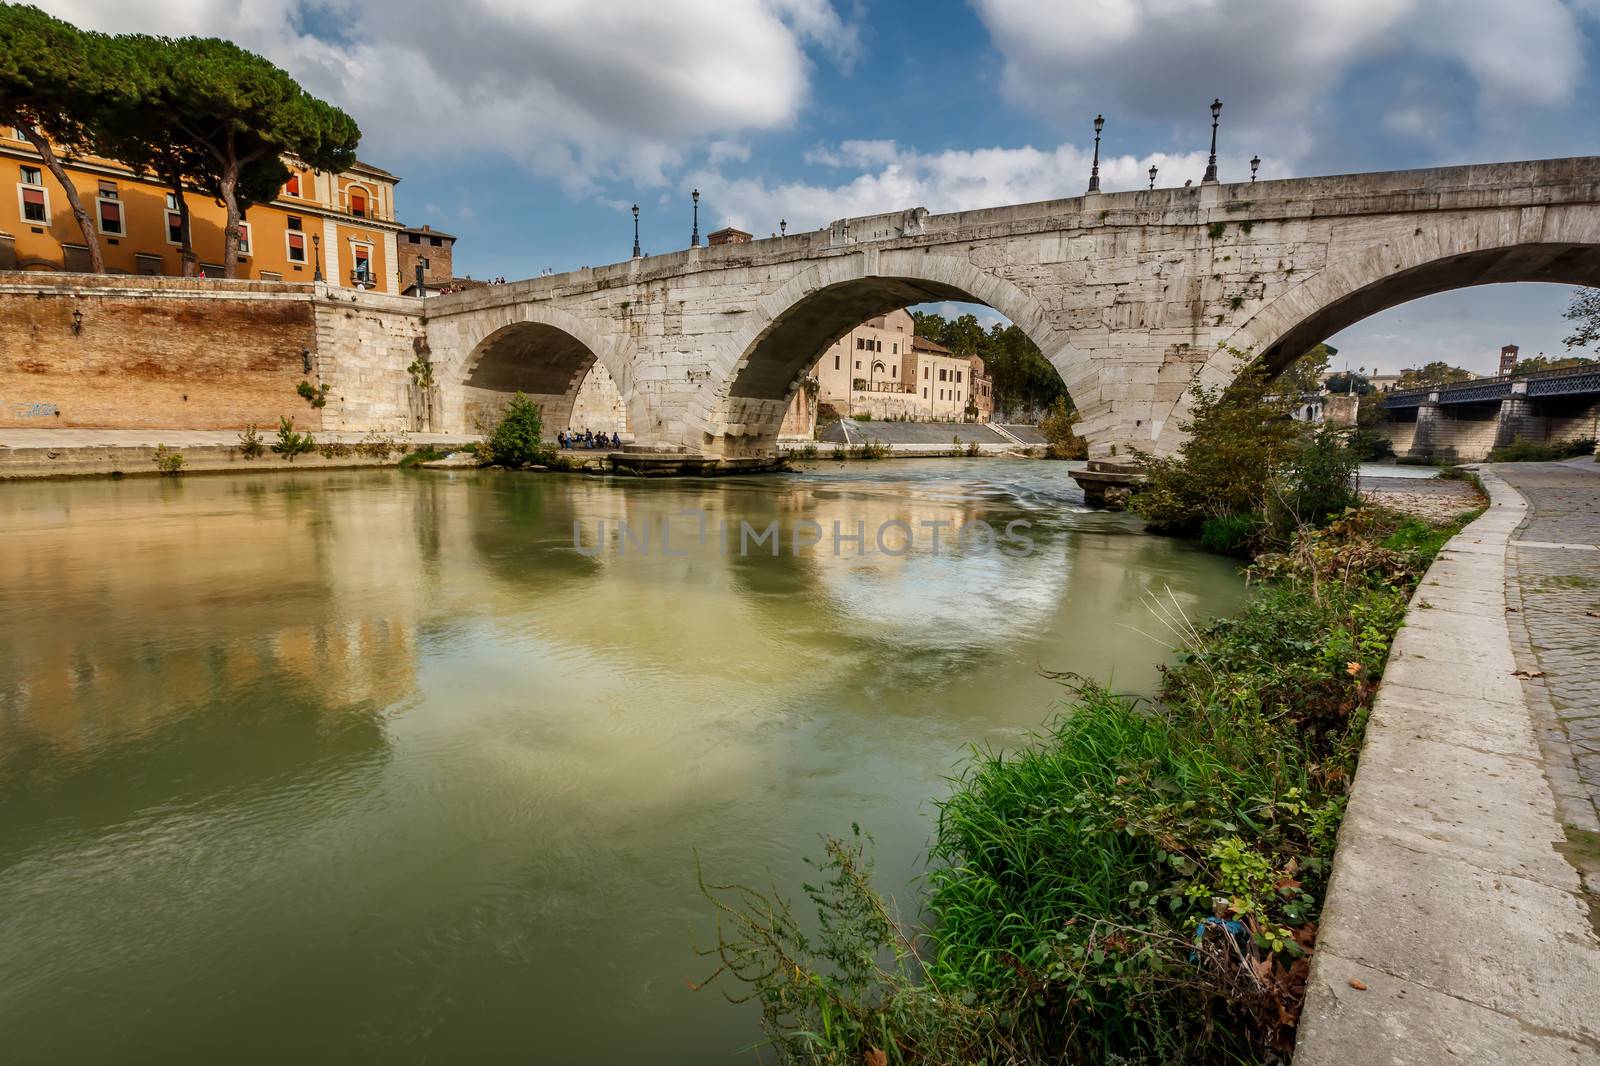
[923,344]
[429,231]
[727,231]
[368,168]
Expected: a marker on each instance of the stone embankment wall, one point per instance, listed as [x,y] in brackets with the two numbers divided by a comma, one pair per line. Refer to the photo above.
[82,351]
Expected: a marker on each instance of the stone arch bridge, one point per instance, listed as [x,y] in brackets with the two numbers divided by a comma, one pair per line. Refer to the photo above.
[1134,297]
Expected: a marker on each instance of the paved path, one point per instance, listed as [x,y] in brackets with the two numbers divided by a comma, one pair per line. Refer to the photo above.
[1457,928]
[1553,593]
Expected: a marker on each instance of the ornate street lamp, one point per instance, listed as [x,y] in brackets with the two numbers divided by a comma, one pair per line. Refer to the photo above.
[636,231]
[316,247]
[694,238]
[1094,171]
[783,227]
[1152,175]
[1211,166]
[1255,165]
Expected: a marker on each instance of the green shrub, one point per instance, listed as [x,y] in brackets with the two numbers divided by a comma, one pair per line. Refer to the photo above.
[808,451]
[1526,451]
[169,461]
[1059,427]
[290,443]
[250,445]
[862,417]
[1237,447]
[1245,459]
[518,438]
[1319,482]
[1371,446]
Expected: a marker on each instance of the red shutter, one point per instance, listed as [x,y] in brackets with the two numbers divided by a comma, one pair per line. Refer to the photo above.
[297,242]
[111,212]
[33,196]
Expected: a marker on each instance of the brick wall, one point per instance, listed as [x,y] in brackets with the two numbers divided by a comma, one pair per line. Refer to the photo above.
[174,353]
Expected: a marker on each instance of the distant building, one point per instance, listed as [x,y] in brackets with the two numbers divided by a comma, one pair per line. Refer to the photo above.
[883,370]
[728,236]
[343,223]
[1508,360]
[433,250]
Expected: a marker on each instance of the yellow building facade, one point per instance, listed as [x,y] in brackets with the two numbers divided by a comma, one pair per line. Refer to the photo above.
[343,223]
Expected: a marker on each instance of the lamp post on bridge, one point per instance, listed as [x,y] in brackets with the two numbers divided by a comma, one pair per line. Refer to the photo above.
[1094,171]
[1255,165]
[694,237]
[1152,175]
[1211,166]
[636,231]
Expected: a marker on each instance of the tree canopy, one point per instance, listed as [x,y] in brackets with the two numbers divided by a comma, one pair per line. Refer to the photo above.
[196,112]
[58,84]
[1025,384]
[1434,373]
[1585,312]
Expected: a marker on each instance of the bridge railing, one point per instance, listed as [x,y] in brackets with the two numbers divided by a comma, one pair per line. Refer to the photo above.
[1561,381]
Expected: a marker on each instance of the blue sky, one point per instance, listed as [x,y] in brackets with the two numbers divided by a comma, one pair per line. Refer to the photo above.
[528,127]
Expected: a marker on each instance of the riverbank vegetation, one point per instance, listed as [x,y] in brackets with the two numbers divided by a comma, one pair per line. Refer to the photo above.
[1142,881]
[1527,451]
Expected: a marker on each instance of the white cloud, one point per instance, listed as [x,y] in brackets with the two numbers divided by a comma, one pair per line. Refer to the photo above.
[895,177]
[578,90]
[1272,63]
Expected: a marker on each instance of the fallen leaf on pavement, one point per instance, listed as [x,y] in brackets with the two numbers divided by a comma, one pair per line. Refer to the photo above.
[1359,986]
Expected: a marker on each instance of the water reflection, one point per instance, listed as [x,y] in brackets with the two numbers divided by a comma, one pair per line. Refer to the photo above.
[374,766]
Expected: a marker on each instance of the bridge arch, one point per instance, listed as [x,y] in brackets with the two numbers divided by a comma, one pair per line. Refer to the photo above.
[1556,246]
[765,361]
[545,353]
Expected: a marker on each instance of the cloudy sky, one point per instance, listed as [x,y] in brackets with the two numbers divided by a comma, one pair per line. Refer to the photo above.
[529,126]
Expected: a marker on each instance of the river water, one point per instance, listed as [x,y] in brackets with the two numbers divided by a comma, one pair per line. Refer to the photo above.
[373,766]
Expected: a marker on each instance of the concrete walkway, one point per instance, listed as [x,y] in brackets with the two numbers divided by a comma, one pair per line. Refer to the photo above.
[1554,593]
[1456,930]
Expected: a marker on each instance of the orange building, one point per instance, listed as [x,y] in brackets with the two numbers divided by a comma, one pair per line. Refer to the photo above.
[342,225]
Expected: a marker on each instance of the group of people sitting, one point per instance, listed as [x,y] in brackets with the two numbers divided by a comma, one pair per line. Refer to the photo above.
[569,438]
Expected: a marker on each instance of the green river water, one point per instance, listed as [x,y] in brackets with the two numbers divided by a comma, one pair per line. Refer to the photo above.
[374,767]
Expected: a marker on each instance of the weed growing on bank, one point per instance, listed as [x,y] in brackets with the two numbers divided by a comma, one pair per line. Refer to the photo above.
[1140,882]
[290,443]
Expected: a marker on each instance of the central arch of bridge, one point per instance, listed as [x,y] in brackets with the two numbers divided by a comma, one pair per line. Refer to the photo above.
[796,325]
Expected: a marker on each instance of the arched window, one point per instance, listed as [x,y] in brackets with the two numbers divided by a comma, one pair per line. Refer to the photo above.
[358,202]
